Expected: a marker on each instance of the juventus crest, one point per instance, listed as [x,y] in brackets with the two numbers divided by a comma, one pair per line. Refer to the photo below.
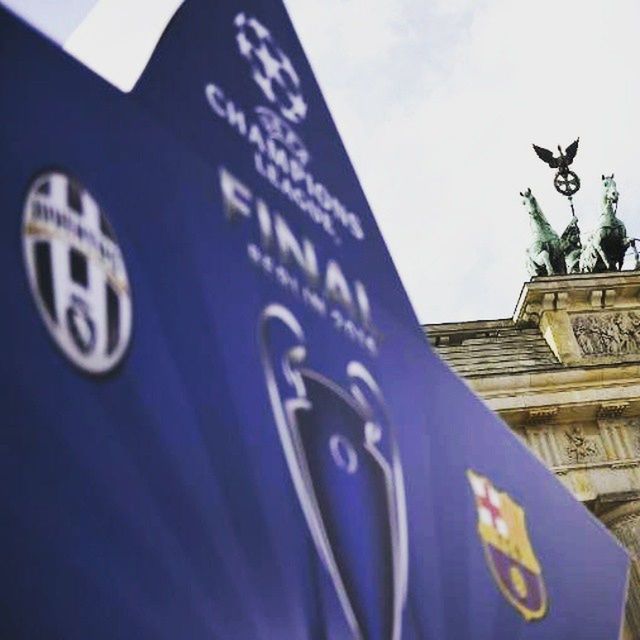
[76,272]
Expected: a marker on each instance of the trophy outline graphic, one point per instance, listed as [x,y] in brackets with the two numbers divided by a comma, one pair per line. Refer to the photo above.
[364,393]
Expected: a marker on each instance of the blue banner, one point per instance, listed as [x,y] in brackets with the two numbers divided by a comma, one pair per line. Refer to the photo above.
[222,418]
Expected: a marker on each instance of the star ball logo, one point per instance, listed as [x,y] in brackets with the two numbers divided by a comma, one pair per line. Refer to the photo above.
[76,272]
[271,69]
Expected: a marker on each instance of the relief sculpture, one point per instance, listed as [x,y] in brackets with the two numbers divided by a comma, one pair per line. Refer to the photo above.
[579,447]
[612,334]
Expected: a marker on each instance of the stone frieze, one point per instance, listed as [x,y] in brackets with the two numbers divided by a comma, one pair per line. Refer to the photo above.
[607,334]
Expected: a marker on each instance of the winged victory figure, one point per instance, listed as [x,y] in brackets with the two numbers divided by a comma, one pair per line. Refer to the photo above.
[561,161]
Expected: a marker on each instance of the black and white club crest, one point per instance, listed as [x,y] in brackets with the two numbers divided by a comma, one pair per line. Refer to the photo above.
[76,272]
[271,69]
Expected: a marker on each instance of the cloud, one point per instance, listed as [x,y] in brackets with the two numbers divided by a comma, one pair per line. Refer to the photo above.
[438,107]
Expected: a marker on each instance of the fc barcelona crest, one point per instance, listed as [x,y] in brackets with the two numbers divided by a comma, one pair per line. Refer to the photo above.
[345,467]
[510,556]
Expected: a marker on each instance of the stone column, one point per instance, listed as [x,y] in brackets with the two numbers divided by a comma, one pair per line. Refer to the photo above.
[624,523]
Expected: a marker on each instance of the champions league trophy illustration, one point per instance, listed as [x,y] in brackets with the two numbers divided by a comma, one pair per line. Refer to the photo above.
[346,470]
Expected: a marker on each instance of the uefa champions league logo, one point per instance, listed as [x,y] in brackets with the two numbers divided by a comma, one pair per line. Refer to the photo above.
[279,153]
[76,272]
[345,466]
[271,69]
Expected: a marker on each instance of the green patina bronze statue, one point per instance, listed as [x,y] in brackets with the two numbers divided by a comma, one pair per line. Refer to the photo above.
[607,244]
[604,249]
[544,255]
[571,246]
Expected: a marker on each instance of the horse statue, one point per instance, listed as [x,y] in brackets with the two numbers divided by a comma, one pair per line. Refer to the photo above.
[571,246]
[544,255]
[605,247]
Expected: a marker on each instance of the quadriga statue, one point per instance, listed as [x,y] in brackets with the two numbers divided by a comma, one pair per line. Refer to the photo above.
[544,255]
[605,247]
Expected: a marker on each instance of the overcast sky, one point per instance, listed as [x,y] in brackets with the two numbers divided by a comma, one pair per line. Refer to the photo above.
[438,102]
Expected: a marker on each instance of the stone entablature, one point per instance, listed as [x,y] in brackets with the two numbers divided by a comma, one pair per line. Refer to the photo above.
[585,318]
